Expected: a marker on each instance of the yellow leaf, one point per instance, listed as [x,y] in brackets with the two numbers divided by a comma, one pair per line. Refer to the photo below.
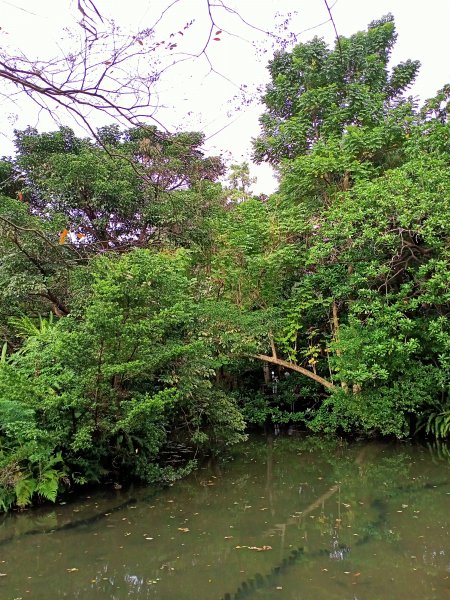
[62,237]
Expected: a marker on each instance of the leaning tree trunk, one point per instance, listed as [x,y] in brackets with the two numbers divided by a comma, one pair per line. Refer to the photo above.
[293,367]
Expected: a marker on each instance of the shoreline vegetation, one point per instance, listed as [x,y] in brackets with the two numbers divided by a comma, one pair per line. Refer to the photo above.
[153,310]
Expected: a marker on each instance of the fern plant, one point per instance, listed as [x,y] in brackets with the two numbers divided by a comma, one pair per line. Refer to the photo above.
[27,327]
[40,478]
[436,422]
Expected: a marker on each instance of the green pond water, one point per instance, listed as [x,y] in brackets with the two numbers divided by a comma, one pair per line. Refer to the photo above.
[285,519]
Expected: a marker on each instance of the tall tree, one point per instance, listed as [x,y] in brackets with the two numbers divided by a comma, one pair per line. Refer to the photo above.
[353,152]
[316,93]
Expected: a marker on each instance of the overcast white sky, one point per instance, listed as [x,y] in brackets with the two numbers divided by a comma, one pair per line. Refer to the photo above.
[195,100]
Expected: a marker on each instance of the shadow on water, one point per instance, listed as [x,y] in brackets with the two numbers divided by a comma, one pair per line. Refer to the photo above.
[338,552]
[79,523]
[331,515]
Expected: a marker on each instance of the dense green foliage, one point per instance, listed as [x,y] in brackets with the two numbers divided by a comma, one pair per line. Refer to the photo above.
[144,307]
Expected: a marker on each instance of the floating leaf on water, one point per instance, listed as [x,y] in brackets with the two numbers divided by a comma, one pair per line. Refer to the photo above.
[72,570]
[183,529]
[257,548]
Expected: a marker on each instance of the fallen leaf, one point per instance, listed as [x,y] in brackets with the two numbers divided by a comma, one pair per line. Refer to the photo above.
[183,529]
[72,570]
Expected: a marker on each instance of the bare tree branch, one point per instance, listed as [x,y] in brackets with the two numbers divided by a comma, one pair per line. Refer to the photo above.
[113,72]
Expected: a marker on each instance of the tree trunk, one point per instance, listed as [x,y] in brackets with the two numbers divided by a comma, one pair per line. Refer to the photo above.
[344,384]
[294,367]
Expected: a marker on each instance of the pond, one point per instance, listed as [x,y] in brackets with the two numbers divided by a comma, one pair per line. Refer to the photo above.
[285,519]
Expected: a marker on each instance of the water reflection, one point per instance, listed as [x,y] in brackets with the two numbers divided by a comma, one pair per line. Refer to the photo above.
[286,519]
